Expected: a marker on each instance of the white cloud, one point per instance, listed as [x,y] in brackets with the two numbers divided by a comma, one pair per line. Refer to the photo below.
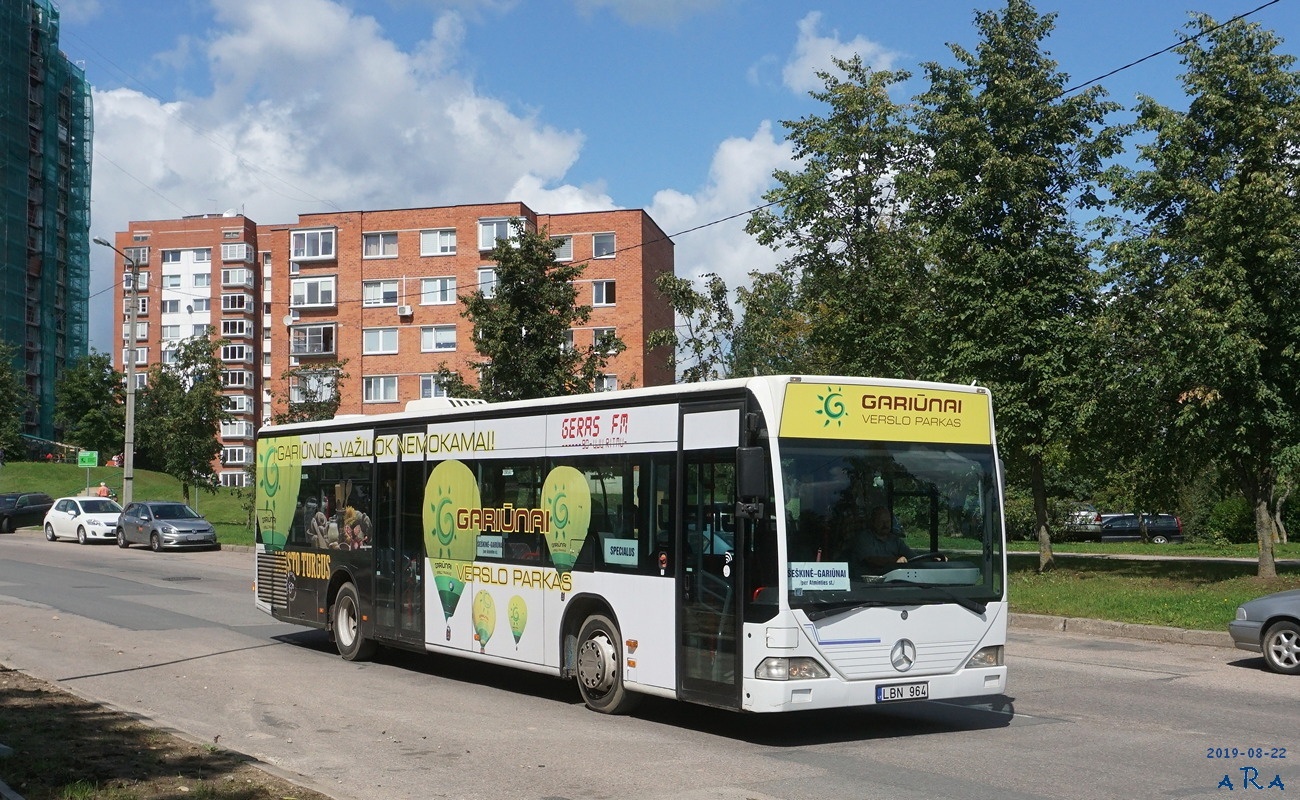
[657,13]
[813,53]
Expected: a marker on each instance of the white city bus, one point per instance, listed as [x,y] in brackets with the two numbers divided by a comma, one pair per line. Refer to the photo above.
[701,542]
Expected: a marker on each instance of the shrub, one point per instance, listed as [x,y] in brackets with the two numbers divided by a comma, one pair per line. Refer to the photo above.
[1232,520]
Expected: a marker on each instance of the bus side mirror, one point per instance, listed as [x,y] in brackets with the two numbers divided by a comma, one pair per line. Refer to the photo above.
[751,481]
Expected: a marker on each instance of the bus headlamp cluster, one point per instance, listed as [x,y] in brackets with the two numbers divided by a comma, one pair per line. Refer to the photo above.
[790,669]
[987,657]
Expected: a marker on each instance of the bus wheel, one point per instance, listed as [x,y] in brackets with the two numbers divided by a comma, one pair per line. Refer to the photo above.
[352,645]
[600,674]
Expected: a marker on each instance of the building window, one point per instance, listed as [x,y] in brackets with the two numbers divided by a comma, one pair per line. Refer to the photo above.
[311,340]
[237,429]
[142,305]
[379,245]
[171,256]
[236,378]
[602,245]
[430,386]
[567,344]
[234,479]
[236,302]
[170,331]
[201,329]
[380,389]
[311,387]
[600,334]
[606,383]
[202,304]
[312,292]
[202,280]
[602,293]
[563,247]
[234,327]
[235,352]
[171,281]
[491,230]
[141,331]
[441,242]
[237,252]
[379,293]
[238,276]
[141,278]
[314,244]
[169,306]
[138,255]
[379,341]
[238,403]
[437,337]
[437,291]
[487,281]
[203,255]
[169,355]
[234,456]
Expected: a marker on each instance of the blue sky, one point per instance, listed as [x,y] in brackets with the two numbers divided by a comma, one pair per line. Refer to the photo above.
[276,107]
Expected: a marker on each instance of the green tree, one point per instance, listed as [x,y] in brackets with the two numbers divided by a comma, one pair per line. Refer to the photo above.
[15,401]
[773,335]
[1010,158]
[860,279]
[312,392]
[704,343]
[180,411]
[89,407]
[522,326]
[1212,253]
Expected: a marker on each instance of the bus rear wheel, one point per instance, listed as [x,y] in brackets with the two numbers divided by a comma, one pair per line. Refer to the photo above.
[348,638]
[599,668]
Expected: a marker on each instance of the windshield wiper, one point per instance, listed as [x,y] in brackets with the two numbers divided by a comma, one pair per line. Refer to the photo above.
[965,602]
[832,609]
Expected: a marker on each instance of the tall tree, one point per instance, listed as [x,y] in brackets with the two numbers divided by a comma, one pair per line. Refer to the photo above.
[1010,157]
[523,324]
[708,322]
[1213,253]
[88,404]
[15,401]
[181,409]
[774,332]
[858,275]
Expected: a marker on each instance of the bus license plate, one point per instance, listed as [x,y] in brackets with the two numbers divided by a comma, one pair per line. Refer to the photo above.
[893,692]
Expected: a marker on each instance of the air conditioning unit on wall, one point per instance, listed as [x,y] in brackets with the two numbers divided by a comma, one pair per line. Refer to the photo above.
[405,311]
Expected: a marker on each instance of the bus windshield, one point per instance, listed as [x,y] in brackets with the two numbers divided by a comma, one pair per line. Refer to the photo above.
[890,523]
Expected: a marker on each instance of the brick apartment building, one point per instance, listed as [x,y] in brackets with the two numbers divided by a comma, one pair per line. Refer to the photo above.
[377,289]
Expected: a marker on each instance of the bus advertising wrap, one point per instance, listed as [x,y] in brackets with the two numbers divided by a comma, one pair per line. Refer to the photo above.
[885,414]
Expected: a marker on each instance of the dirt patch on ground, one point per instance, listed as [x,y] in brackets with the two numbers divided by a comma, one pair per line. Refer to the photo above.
[65,748]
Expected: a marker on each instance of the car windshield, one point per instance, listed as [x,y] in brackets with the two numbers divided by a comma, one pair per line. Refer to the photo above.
[856,511]
[100,507]
[173,511]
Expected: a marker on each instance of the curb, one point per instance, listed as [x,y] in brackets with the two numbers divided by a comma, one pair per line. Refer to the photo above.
[1119,630]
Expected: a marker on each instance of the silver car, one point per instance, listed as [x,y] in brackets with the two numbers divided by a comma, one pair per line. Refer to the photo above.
[1270,625]
[164,524]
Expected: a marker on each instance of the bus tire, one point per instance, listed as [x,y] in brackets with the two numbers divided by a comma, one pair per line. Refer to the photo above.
[599,668]
[348,638]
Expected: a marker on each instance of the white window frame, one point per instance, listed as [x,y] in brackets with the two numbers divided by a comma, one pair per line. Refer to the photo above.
[604,293]
[236,352]
[172,306]
[312,244]
[237,403]
[379,245]
[438,242]
[237,302]
[202,280]
[373,292]
[487,281]
[234,456]
[324,287]
[236,378]
[171,256]
[237,251]
[603,251]
[235,327]
[438,291]
[379,341]
[563,247]
[379,389]
[490,229]
[201,303]
[606,383]
[169,332]
[436,338]
[312,340]
[172,281]
[324,385]
[203,255]
[596,333]
[430,386]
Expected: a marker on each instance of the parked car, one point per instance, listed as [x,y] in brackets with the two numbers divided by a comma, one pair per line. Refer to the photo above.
[164,524]
[1083,521]
[1270,625]
[1161,528]
[87,518]
[21,509]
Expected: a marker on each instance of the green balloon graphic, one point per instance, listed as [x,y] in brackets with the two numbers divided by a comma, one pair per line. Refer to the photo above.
[568,497]
[517,613]
[451,486]
[278,481]
[485,618]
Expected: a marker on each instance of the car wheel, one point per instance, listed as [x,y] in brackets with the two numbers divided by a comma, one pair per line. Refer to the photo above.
[1281,648]
[81,535]
[155,542]
[49,533]
[348,638]
[6,525]
[599,672]
[121,539]
[1159,539]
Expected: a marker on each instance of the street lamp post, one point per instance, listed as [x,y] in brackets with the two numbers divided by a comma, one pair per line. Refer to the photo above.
[133,308]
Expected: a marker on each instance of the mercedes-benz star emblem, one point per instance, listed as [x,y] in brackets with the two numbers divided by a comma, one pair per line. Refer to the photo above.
[903,656]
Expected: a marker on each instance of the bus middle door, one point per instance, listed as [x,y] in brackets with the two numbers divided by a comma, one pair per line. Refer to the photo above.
[399,546]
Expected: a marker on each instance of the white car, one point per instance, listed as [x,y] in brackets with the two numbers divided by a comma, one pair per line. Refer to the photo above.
[89,519]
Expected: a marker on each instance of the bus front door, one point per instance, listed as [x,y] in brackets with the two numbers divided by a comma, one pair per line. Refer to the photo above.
[399,548]
[708,641]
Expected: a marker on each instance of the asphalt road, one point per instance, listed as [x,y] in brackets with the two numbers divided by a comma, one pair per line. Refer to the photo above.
[175,638]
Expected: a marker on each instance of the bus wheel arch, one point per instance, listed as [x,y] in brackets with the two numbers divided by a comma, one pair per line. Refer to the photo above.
[594,657]
[346,623]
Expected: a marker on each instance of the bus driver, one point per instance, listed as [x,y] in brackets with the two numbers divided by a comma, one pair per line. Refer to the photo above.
[881,545]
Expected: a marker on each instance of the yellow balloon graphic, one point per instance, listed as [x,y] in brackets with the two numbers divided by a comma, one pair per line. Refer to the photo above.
[279,468]
[485,618]
[451,486]
[567,497]
[517,613]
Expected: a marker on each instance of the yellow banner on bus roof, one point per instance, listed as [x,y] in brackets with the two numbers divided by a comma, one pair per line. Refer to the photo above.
[885,413]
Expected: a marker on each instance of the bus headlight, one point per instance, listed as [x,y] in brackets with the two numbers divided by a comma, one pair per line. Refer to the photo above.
[790,669]
[987,657]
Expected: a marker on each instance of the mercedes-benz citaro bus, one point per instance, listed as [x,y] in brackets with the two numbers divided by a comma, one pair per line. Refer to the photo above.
[764,544]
